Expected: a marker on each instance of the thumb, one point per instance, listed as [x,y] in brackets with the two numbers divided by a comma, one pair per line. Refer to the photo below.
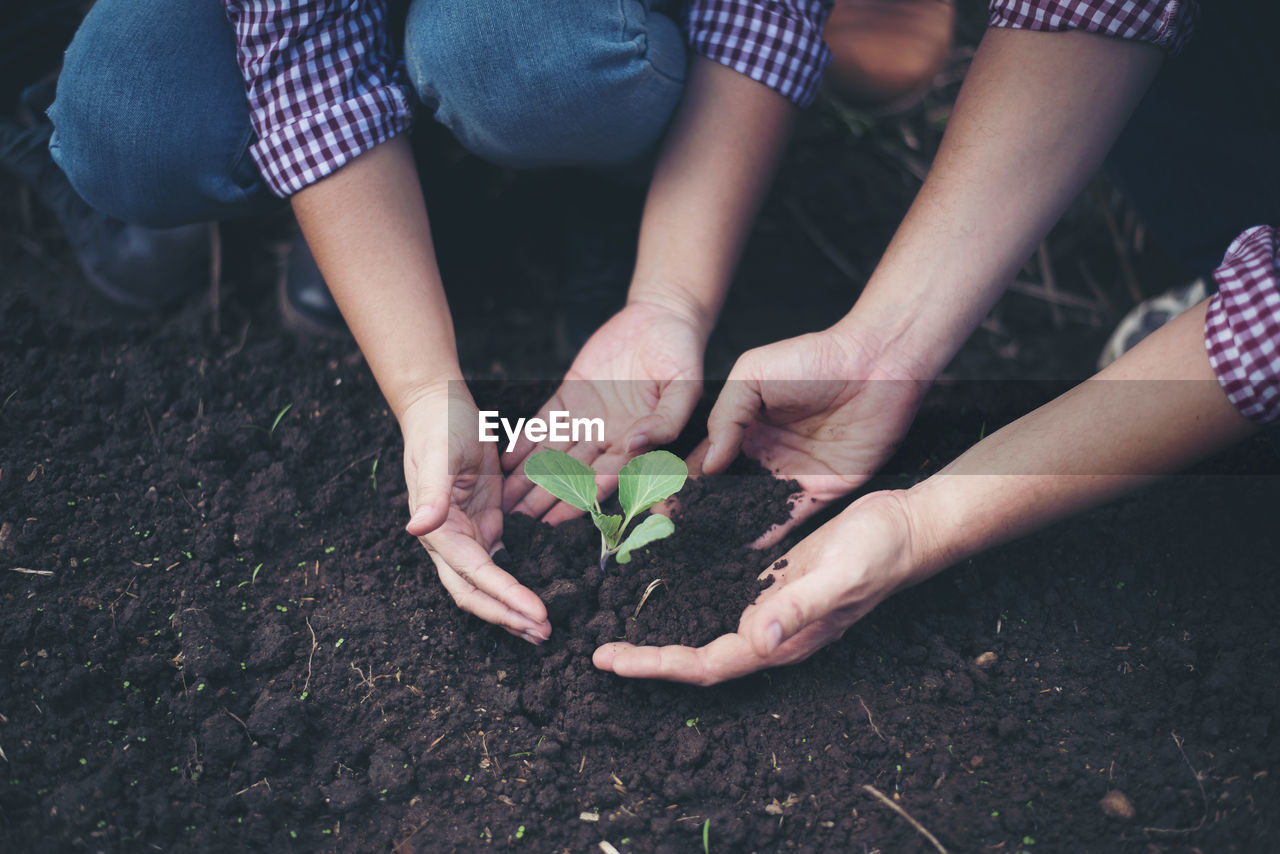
[735,409]
[787,612]
[429,503]
[668,418]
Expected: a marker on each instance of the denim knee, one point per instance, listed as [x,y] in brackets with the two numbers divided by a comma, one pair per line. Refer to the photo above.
[151,124]
[547,82]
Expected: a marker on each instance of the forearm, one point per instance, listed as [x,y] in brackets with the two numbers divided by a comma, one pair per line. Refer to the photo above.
[1034,119]
[715,167]
[1156,410]
[367,226]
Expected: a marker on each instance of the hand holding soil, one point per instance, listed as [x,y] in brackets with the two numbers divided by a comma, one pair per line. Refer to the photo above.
[824,409]
[641,373]
[455,501]
[824,585]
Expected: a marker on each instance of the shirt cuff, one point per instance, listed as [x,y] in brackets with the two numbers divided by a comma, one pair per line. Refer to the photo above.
[306,149]
[1164,23]
[1242,324]
[776,43]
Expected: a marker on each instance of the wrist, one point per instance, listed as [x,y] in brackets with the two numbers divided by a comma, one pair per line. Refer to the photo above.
[893,343]
[678,302]
[431,399]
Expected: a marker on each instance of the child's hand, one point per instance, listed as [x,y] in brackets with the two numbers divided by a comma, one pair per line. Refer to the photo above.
[830,580]
[455,495]
[825,409]
[641,373]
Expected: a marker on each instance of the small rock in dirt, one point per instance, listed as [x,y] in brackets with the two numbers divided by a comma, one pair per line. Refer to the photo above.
[1116,804]
[985,660]
[975,762]
[691,747]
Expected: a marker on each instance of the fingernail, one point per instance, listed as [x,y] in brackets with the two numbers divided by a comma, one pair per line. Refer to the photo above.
[638,441]
[710,454]
[532,638]
[772,636]
[497,547]
[531,626]
[421,514]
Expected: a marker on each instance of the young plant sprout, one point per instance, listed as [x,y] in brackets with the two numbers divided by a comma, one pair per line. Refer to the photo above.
[642,483]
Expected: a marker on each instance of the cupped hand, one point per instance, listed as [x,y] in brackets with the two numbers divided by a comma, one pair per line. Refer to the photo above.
[829,581]
[641,374]
[825,409]
[455,505]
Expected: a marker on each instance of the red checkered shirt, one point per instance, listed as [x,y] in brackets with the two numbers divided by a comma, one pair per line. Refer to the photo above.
[1242,325]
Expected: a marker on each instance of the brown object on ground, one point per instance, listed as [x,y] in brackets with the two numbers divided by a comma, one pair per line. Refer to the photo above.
[1116,804]
[885,52]
[986,660]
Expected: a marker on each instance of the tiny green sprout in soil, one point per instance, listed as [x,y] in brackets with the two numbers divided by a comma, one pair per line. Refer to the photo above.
[706,837]
[643,482]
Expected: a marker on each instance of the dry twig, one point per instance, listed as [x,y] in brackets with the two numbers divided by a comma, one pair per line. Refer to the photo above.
[920,828]
[874,728]
[1203,797]
[310,655]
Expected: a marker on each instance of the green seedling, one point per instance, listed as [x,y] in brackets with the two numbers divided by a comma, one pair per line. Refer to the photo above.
[642,483]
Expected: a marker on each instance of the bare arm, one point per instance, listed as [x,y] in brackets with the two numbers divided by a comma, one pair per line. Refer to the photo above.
[1156,410]
[716,165]
[367,226]
[1035,117]
[642,371]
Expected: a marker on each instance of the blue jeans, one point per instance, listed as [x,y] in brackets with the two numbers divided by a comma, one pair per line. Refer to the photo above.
[151,123]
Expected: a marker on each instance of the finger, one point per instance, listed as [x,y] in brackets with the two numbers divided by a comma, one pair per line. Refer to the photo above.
[784,614]
[502,599]
[668,418]
[429,497]
[735,409]
[696,458]
[727,657]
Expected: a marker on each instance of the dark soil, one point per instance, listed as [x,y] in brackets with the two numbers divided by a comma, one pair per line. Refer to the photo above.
[232,644]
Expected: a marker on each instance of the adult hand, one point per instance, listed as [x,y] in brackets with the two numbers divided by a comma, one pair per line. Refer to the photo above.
[829,581]
[455,504]
[641,374]
[824,409]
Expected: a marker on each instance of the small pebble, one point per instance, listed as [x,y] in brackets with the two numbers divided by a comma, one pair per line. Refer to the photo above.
[985,660]
[1116,804]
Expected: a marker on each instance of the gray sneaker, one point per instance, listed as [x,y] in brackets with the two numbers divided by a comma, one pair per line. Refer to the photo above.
[1148,316]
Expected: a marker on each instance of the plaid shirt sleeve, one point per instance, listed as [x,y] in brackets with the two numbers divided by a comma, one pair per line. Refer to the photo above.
[1163,23]
[323,82]
[1242,324]
[774,42]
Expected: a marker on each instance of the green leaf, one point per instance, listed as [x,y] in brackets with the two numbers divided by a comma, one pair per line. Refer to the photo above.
[654,527]
[609,527]
[564,477]
[648,479]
